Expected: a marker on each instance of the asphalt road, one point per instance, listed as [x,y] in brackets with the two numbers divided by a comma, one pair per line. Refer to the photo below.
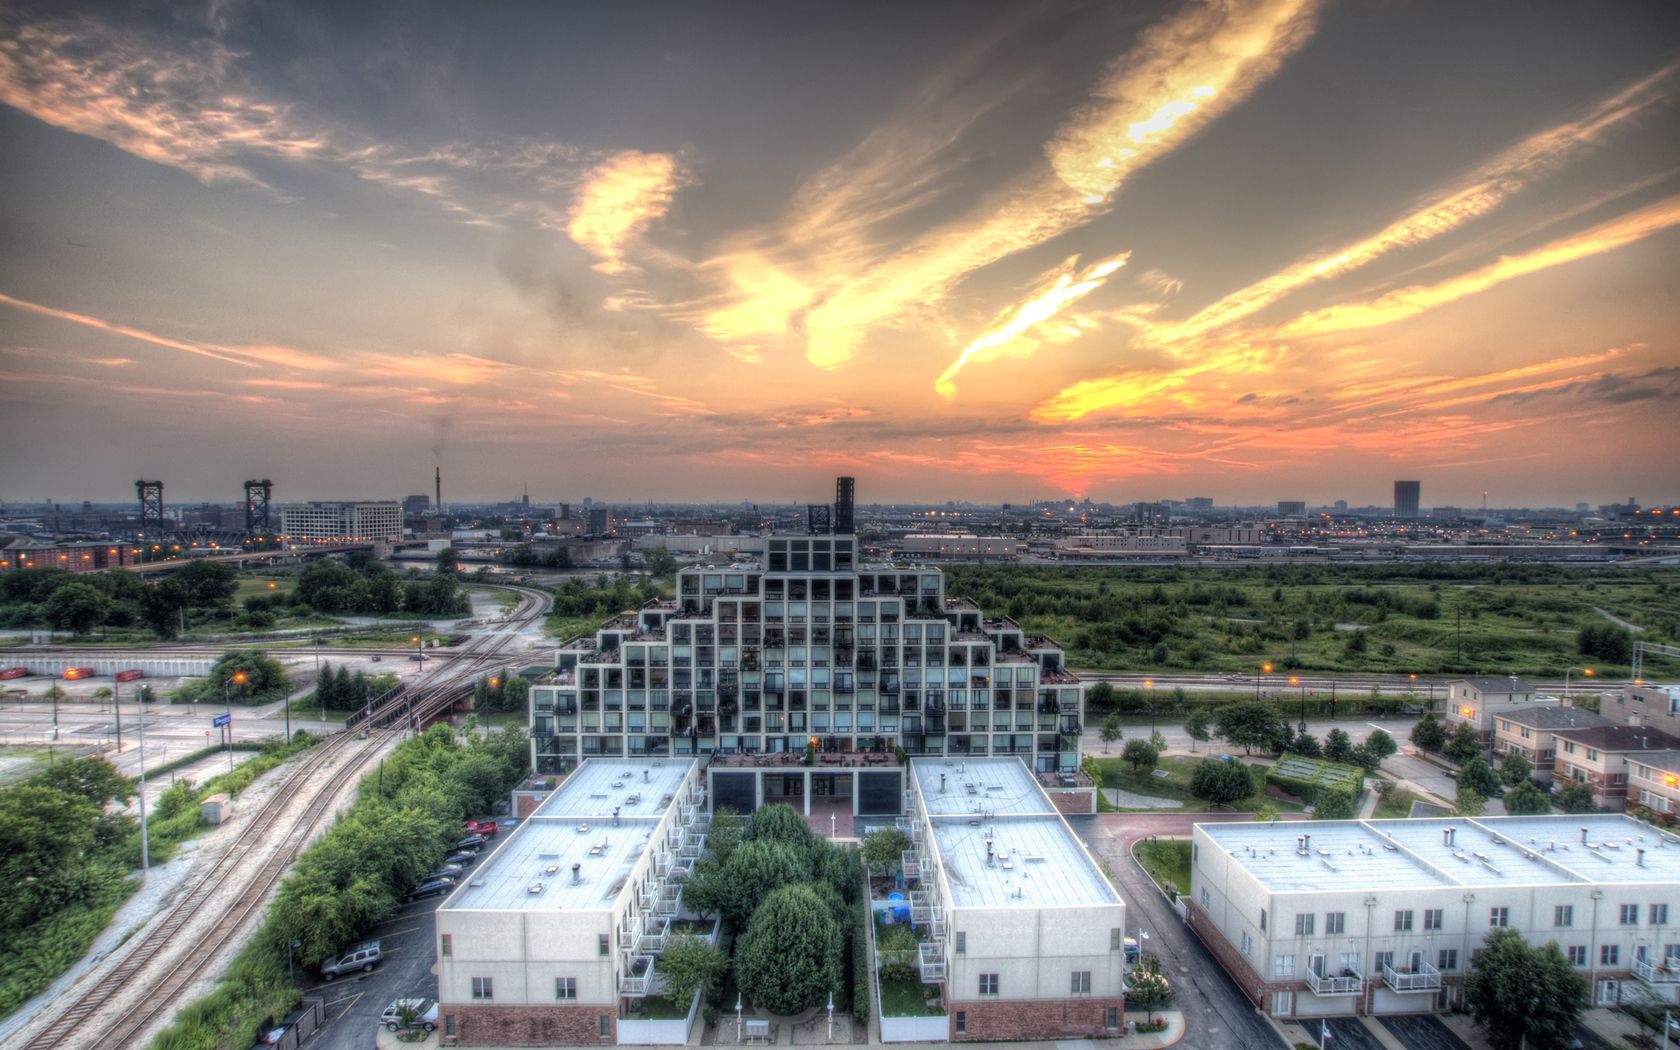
[353,1004]
[1216,1014]
[1423,1032]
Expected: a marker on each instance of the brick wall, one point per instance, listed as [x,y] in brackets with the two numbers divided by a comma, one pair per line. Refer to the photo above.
[525,803]
[1073,800]
[991,1020]
[1241,971]
[480,1025]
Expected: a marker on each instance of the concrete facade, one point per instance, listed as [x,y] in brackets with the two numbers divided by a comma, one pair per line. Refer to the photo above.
[1598,757]
[1480,701]
[355,521]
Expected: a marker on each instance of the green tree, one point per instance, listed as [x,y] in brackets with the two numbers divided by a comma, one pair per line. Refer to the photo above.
[91,778]
[883,849]
[1335,803]
[207,582]
[1110,731]
[1605,641]
[1478,775]
[77,608]
[1101,699]
[447,559]
[1338,746]
[1469,802]
[1463,745]
[779,823]
[726,832]
[1148,985]
[1249,724]
[1576,798]
[1381,745]
[1428,734]
[689,965]
[703,891]
[756,868]
[1305,744]
[263,677]
[1141,754]
[1526,800]
[1516,769]
[1196,724]
[788,961]
[1522,995]
[658,561]
[1220,783]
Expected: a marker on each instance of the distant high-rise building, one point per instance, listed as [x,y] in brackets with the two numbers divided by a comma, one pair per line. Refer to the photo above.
[1292,508]
[1340,506]
[354,521]
[598,524]
[1406,495]
[419,504]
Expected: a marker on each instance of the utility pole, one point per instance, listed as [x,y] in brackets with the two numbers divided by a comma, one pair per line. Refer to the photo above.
[145,857]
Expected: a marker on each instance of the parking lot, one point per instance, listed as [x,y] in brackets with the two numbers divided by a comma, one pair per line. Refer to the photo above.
[354,1002]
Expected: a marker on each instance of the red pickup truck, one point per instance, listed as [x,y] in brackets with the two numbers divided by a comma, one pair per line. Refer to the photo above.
[487,828]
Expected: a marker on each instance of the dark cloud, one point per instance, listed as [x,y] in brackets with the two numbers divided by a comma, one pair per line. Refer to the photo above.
[1611,388]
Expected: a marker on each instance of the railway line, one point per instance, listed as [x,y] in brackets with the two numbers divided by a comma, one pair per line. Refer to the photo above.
[172,955]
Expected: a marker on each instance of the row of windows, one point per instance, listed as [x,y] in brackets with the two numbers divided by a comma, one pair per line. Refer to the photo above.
[1563,915]
[1111,1020]
[1446,959]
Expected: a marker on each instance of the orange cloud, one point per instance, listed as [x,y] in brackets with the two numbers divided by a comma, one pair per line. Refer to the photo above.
[215,353]
[618,199]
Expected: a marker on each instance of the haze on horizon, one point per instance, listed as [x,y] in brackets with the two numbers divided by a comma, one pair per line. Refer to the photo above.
[1258,250]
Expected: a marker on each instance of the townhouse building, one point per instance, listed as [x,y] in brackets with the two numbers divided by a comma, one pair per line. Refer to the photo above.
[1528,731]
[1598,757]
[1480,702]
[1384,916]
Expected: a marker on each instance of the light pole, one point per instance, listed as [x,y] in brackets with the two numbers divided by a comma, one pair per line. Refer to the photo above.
[318,694]
[1149,684]
[831,1017]
[737,1017]
[1265,669]
[116,704]
[1586,672]
[1297,682]
[227,709]
[145,858]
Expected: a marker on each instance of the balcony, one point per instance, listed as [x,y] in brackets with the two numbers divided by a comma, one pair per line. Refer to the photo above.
[931,958]
[1348,982]
[1665,972]
[639,981]
[1424,979]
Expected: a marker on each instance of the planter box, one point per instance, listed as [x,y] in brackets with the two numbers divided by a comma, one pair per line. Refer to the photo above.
[636,1032]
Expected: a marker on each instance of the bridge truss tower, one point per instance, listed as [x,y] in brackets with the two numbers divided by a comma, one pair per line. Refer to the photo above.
[257,496]
[151,505]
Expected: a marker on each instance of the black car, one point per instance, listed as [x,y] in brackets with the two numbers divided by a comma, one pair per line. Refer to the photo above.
[429,888]
[473,843]
[452,872]
[461,859]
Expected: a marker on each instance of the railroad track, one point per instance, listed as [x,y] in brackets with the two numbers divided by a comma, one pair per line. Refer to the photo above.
[164,997]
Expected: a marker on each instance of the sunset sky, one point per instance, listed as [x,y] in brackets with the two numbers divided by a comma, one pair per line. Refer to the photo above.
[969,250]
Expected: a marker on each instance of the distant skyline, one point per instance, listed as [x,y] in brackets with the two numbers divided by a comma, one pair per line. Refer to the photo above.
[989,251]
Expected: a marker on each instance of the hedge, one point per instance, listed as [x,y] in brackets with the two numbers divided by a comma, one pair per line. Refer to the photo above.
[1305,777]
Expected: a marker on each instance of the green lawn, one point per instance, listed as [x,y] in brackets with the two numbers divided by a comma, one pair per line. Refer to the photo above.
[1398,804]
[271,586]
[505,599]
[1167,861]
[907,999]
[1117,773]
[658,1008]
[306,707]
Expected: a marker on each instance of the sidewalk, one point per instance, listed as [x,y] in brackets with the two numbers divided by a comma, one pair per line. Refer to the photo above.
[386,1040]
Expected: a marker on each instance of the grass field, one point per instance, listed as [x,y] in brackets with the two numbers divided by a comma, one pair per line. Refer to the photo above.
[265,585]
[1398,804]
[1176,784]
[1167,861]
[1424,618]
[906,999]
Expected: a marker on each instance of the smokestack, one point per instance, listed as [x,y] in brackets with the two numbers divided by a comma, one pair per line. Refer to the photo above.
[437,480]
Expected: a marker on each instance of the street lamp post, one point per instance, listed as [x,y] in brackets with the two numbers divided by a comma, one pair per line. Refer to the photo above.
[1586,672]
[737,1017]
[1303,685]
[116,705]
[322,697]
[1265,669]
[145,857]
[227,709]
[1149,684]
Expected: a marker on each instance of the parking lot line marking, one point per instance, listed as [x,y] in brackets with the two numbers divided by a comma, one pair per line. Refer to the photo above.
[353,1000]
[398,933]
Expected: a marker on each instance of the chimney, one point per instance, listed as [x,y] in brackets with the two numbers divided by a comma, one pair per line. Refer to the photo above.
[437,480]
[577,879]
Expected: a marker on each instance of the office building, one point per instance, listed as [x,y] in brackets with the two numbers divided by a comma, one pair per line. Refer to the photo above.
[353,522]
[1292,508]
[758,661]
[418,504]
[1026,934]
[560,927]
[1406,497]
[1348,917]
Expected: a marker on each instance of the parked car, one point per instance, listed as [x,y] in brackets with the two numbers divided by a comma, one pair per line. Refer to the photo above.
[461,859]
[429,888]
[1133,951]
[363,957]
[447,871]
[425,1014]
[486,828]
[472,842]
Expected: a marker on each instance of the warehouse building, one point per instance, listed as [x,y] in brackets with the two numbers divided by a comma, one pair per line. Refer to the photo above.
[1384,916]
[1026,934]
[559,929]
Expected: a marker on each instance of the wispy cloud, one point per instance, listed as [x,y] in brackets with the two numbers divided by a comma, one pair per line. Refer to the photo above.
[617,200]
[202,350]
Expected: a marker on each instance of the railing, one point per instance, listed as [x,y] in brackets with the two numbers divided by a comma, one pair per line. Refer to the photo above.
[1350,982]
[911,861]
[932,961]
[1665,972]
[639,985]
[1425,979]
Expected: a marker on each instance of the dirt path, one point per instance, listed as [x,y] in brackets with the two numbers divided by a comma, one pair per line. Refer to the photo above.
[1618,621]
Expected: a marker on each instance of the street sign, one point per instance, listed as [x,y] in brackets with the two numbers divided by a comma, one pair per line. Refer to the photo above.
[220,721]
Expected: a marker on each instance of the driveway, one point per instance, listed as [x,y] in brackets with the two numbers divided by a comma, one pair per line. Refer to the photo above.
[1216,1013]
[1423,1032]
[354,1003]
[1346,1033]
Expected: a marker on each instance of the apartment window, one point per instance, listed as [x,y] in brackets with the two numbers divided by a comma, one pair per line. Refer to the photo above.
[1207,898]
[1116,937]
[603,944]
[1283,966]
[1659,915]
[1577,955]
[1403,921]
[1432,918]
[1247,944]
[1111,1018]
[1380,960]
[605,1022]
[1334,922]
[1304,925]
[482,988]
[988,984]
[1563,915]
[1609,954]
[448,947]
[1447,959]
[1630,915]
[1499,916]
[1262,920]
[962,942]
[565,988]
[962,1022]
[1081,984]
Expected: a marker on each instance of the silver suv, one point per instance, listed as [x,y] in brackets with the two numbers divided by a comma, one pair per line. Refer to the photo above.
[425,1014]
[363,957]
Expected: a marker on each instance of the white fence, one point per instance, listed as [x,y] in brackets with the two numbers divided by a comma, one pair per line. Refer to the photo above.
[634,1031]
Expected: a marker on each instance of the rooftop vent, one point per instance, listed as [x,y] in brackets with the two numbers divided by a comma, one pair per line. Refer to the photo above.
[534,888]
[551,869]
[577,874]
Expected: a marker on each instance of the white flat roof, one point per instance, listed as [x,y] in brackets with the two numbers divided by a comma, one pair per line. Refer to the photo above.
[978,787]
[636,788]
[576,825]
[1036,863]
[1417,854]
